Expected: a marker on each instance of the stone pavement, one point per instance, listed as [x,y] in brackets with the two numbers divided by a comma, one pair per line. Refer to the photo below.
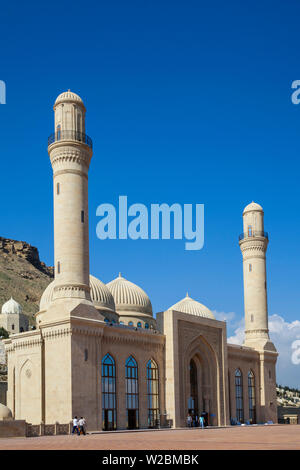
[237,437]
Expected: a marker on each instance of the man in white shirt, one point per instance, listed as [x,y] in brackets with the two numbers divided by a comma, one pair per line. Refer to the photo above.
[81,424]
[75,425]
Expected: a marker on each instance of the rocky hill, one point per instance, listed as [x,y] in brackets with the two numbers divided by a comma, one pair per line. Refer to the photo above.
[22,275]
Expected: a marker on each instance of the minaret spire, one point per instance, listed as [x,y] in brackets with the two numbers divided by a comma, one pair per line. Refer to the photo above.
[253,244]
[70,151]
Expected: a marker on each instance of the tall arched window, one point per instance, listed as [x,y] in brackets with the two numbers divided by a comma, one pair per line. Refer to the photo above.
[79,129]
[239,396]
[193,400]
[109,413]
[58,132]
[250,231]
[132,393]
[152,393]
[251,395]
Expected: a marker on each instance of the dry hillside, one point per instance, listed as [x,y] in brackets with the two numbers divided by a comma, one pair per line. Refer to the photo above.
[22,275]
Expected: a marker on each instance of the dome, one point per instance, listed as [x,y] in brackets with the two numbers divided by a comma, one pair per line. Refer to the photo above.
[100,295]
[192,307]
[129,297]
[5,412]
[11,306]
[68,96]
[252,207]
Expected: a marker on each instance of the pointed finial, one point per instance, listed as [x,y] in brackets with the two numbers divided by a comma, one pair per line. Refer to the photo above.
[187,294]
[120,275]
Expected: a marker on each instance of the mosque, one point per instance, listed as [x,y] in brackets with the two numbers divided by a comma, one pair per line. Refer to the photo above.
[98,351]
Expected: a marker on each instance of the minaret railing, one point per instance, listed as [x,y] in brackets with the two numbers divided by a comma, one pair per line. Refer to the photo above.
[70,135]
[253,234]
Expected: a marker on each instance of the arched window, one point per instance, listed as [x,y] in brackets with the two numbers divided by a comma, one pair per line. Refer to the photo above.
[132,393]
[251,395]
[146,326]
[58,132]
[130,323]
[79,128]
[152,393]
[109,413]
[250,231]
[239,396]
[139,324]
[193,400]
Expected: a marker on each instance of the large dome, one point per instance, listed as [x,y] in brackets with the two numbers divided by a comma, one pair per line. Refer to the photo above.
[68,96]
[129,297]
[192,307]
[100,295]
[11,306]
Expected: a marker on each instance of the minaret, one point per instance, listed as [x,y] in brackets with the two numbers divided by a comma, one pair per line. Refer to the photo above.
[253,244]
[70,151]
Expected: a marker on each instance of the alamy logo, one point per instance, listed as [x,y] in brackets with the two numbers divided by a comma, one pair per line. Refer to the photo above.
[296,94]
[164,222]
[296,353]
[2,92]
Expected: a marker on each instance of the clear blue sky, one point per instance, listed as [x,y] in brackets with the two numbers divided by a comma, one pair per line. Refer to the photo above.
[188,102]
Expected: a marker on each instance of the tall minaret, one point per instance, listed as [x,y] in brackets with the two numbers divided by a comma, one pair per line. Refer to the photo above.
[70,151]
[253,244]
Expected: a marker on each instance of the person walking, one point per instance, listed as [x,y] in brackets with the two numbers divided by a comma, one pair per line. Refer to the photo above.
[189,420]
[75,425]
[201,419]
[81,424]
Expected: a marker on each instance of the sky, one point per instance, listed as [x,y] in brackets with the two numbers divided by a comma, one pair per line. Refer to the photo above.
[187,102]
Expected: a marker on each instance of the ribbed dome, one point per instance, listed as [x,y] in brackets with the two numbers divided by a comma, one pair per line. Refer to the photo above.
[129,297]
[68,96]
[253,206]
[100,295]
[11,306]
[5,412]
[188,305]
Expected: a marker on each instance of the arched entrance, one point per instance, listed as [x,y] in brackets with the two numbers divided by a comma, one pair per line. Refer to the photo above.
[201,392]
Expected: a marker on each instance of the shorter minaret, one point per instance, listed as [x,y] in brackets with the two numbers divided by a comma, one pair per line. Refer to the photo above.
[253,244]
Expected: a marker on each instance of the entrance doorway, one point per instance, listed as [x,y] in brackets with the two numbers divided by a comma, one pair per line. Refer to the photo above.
[108,421]
[193,400]
[132,419]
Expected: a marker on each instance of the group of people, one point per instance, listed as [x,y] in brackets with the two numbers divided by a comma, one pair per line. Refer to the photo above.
[79,426]
[194,421]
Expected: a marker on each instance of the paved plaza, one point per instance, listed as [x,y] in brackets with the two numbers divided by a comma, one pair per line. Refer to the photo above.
[260,437]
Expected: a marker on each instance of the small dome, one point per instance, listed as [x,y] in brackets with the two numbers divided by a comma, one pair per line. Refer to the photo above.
[192,307]
[11,306]
[100,295]
[129,297]
[5,412]
[252,207]
[68,96]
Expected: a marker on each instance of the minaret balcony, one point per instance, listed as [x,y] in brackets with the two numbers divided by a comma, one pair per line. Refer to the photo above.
[253,234]
[70,136]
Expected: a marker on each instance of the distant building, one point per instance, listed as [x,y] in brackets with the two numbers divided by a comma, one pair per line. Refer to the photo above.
[13,320]
[12,317]
[98,351]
